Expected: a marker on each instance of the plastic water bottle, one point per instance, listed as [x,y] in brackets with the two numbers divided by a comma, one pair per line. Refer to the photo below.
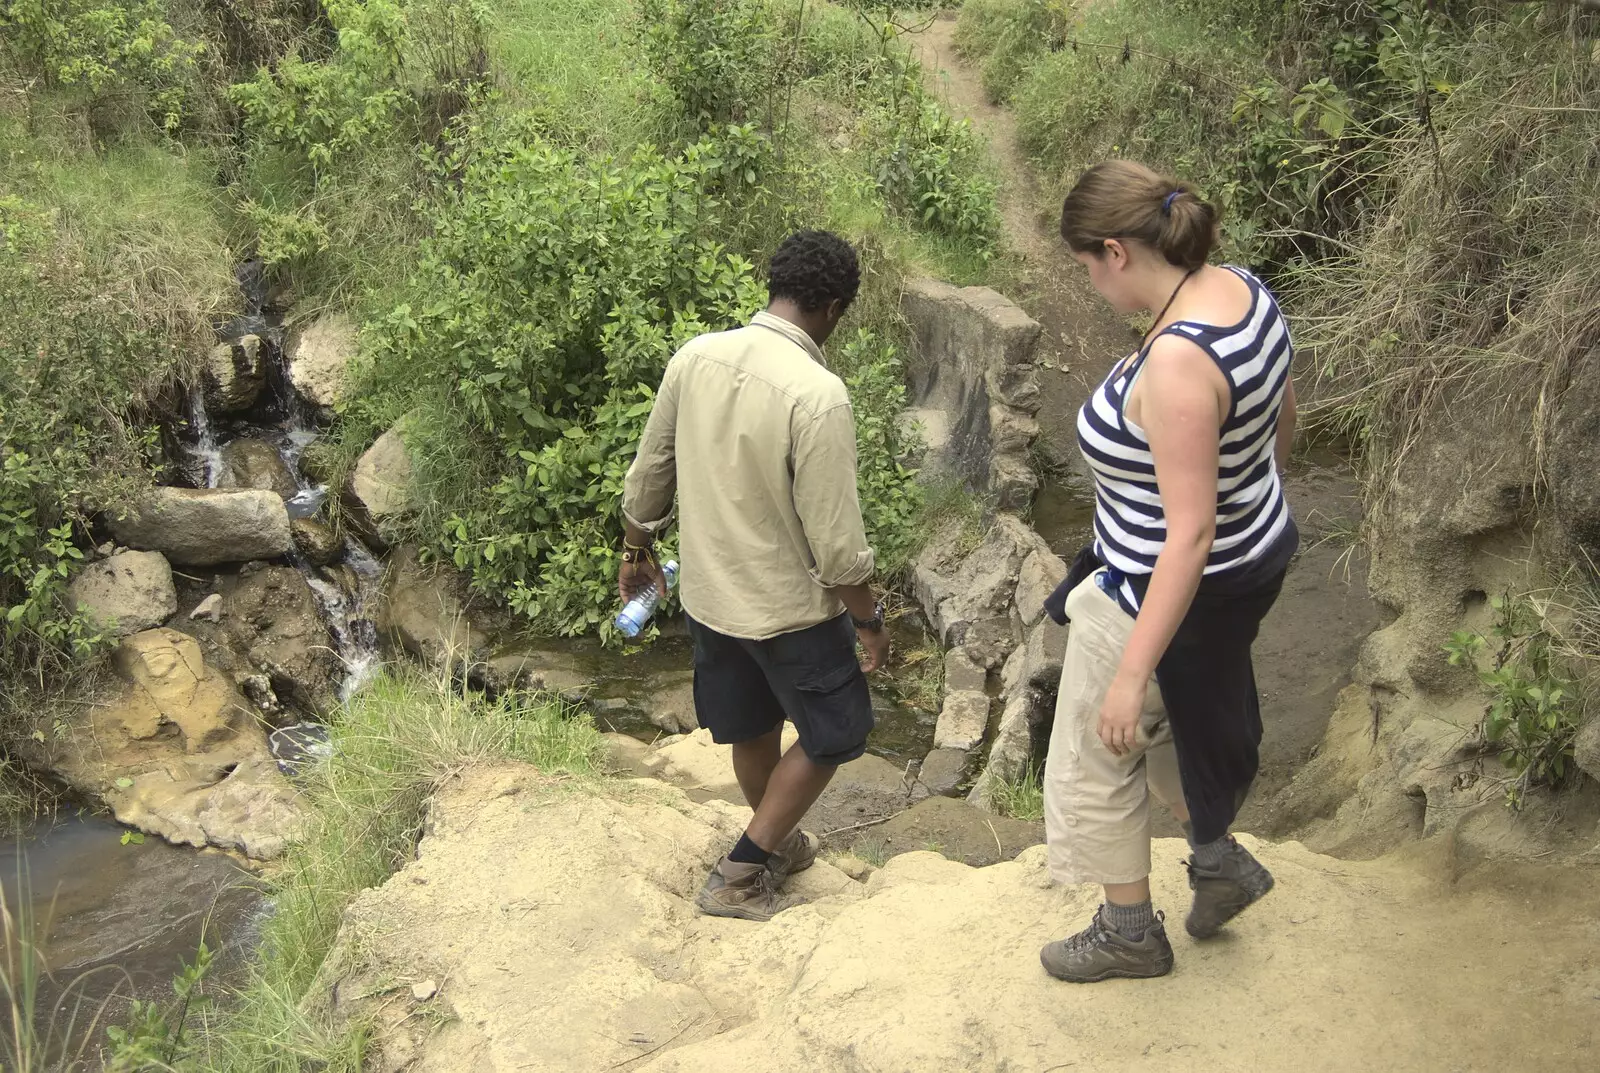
[633,617]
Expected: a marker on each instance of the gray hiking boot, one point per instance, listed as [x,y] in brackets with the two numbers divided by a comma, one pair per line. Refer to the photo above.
[1223,892]
[798,852]
[746,891]
[1099,952]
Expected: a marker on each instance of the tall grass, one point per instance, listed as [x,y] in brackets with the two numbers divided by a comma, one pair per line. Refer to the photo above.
[364,806]
[1474,288]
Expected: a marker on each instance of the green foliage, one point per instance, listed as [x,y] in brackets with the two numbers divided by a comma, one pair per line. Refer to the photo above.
[929,167]
[1534,707]
[891,501]
[716,57]
[74,365]
[549,298]
[327,109]
[155,1037]
[102,47]
[1021,798]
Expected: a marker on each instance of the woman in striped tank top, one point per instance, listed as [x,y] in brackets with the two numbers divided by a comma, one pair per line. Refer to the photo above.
[1186,439]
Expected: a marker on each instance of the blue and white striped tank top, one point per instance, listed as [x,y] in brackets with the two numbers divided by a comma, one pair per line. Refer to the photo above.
[1252,514]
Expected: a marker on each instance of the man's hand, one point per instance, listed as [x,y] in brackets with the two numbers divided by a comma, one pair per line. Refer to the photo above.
[875,649]
[633,578]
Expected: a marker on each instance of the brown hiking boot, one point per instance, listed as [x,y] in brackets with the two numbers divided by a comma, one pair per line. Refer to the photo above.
[1223,892]
[745,891]
[1100,952]
[798,852]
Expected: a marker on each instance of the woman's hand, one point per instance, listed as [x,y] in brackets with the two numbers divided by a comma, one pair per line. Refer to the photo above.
[1119,714]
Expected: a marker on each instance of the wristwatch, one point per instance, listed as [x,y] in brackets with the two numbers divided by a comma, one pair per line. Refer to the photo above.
[873,624]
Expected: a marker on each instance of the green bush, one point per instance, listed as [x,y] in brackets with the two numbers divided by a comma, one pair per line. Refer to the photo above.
[79,366]
[1534,707]
[547,301]
[102,46]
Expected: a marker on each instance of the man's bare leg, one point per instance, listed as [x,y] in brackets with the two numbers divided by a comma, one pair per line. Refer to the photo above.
[793,787]
[753,763]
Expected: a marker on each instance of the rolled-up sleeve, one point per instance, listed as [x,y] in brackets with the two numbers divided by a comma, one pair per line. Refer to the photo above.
[826,500]
[652,480]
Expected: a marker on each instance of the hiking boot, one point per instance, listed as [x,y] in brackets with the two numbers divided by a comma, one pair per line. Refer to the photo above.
[1100,952]
[745,891]
[1223,892]
[798,852]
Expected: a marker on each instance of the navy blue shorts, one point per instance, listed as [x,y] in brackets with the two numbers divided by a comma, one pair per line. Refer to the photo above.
[744,689]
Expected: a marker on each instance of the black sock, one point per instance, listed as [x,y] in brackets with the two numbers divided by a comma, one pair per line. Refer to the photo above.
[747,852]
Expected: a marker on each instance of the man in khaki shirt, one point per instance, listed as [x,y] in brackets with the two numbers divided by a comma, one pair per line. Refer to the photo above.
[756,438]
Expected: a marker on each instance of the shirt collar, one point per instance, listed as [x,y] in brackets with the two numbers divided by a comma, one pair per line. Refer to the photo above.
[793,332]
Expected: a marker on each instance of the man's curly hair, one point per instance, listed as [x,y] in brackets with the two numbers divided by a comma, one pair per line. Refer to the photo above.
[812,268]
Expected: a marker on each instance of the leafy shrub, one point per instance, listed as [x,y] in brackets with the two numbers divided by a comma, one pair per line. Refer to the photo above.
[75,366]
[102,46]
[324,110]
[548,300]
[891,500]
[929,166]
[1532,718]
[715,56]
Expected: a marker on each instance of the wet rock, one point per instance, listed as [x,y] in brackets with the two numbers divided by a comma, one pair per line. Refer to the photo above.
[670,704]
[426,612]
[1042,571]
[319,542]
[942,771]
[203,526]
[540,670]
[132,589]
[258,687]
[319,357]
[208,610]
[235,375]
[379,494]
[250,463]
[962,721]
[175,753]
[275,625]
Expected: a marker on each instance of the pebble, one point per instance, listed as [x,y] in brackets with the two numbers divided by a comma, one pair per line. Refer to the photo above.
[424,991]
[209,609]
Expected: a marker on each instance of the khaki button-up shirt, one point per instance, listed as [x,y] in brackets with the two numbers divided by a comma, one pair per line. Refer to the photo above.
[757,438]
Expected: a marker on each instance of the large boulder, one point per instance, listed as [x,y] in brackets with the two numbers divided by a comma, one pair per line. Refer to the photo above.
[131,589]
[206,526]
[380,487]
[969,598]
[235,375]
[540,927]
[251,463]
[174,752]
[319,359]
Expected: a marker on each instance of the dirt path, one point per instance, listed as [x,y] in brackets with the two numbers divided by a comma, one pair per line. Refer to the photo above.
[1311,640]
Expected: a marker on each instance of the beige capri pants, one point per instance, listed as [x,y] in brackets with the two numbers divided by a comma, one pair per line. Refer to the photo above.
[1096,803]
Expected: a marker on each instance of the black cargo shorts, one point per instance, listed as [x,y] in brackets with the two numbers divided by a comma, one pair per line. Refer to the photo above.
[744,689]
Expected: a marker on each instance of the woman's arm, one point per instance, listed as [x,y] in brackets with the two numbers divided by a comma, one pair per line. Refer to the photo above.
[1286,419]
[1183,397]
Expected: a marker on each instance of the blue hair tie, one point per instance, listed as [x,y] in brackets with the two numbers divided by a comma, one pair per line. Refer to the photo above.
[1166,206]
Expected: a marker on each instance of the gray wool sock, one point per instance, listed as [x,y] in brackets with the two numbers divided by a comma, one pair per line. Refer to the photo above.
[1210,854]
[1129,921]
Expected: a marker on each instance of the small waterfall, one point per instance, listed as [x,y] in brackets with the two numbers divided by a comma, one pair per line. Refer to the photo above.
[345,610]
[205,452]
